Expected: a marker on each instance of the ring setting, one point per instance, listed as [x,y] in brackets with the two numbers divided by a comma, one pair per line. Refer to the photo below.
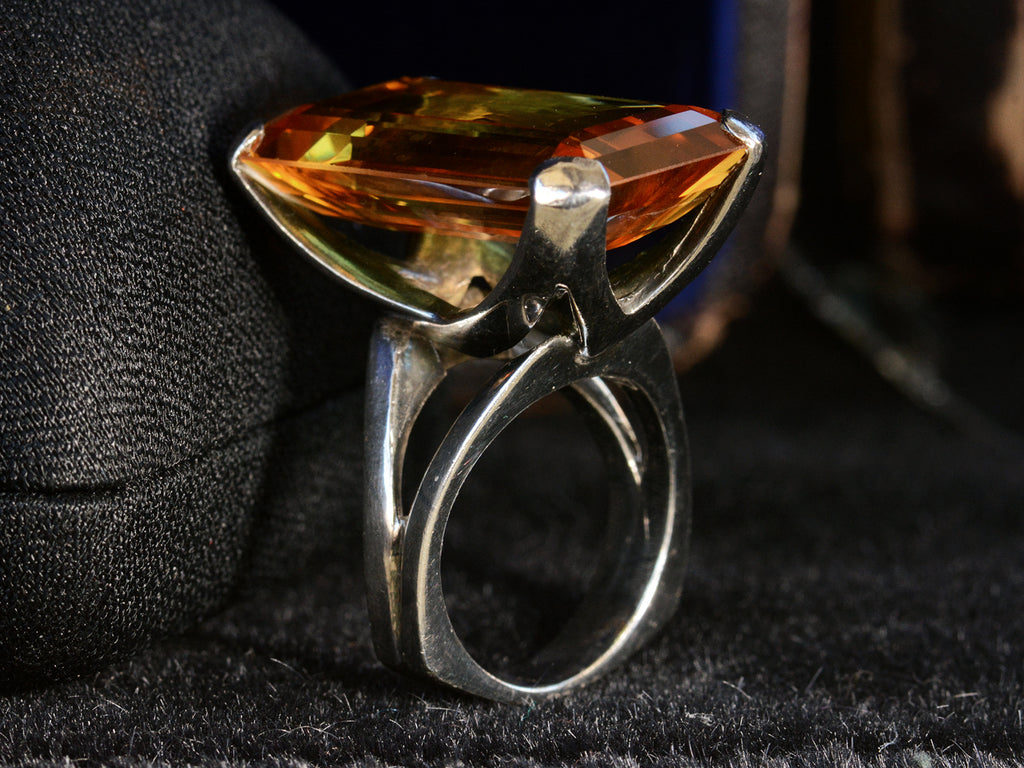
[517,197]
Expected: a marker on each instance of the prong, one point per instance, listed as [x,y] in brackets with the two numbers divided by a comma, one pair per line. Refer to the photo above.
[644,286]
[561,254]
[564,241]
[570,203]
[748,133]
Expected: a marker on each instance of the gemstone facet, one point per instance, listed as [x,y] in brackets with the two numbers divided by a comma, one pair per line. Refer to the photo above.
[427,155]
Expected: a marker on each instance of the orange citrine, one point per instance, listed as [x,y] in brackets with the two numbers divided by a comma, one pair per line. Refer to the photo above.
[427,155]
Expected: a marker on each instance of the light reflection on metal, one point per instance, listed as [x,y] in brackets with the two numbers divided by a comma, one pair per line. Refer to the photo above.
[562,323]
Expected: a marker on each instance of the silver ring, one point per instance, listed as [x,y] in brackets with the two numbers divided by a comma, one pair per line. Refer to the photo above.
[559,322]
[639,576]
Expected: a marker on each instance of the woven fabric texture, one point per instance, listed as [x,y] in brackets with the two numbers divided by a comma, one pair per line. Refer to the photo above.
[177,389]
[179,425]
[854,597]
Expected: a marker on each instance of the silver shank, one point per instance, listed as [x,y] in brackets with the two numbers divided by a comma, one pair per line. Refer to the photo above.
[574,327]
[640,569]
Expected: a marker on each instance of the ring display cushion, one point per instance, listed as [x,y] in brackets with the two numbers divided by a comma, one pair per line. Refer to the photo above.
[179,393]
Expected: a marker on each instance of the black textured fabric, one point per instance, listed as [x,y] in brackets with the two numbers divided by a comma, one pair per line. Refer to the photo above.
[178,407]
[177,389]
[855,597]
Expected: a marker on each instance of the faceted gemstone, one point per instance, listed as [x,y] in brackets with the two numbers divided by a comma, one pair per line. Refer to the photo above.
[420,154]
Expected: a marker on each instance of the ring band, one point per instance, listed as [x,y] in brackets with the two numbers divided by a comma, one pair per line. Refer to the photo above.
[640,572]
[557,319]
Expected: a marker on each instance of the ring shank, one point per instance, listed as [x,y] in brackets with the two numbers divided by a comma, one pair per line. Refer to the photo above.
[639,572]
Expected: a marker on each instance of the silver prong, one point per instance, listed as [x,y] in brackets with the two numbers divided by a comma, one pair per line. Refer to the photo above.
[647,284]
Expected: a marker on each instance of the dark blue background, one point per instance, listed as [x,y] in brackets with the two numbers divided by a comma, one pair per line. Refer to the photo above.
[640,49]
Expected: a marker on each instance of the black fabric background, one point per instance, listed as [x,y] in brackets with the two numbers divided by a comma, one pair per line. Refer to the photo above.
[178,392]
[854,597]
[179,424]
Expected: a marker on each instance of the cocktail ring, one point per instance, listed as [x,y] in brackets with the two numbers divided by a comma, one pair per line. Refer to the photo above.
[516,196]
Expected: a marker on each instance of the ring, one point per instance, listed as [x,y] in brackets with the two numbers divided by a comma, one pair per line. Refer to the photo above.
[517,195]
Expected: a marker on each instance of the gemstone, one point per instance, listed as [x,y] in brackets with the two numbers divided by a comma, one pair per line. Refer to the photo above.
[426,155]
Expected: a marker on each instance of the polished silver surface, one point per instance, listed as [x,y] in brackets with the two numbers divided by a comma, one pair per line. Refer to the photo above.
[639,575]
[560,322]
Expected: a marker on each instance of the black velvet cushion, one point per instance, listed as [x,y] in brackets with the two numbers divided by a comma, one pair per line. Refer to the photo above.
[179,404]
